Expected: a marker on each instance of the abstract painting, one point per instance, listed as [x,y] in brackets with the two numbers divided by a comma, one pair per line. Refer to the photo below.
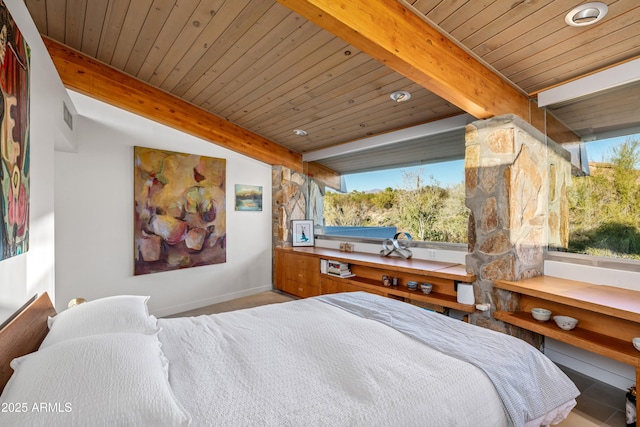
[14,138]
[248,197]
[180,215]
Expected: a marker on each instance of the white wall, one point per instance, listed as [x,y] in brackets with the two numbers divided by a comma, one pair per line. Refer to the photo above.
[25,275]
[94,217]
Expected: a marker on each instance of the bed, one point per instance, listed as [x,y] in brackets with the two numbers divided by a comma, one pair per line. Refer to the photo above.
[351,359]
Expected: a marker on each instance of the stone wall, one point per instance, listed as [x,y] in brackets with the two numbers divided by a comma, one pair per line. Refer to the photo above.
[516,188]
[295,196]
[289,189]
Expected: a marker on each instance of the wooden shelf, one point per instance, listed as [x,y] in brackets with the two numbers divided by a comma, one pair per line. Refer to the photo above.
[445,300]
[609,317]
[439,269]
[608,300]
[604,345]
[297,270]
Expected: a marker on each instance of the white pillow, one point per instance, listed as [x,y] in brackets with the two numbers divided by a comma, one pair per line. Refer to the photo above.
[109,379]
[121,313]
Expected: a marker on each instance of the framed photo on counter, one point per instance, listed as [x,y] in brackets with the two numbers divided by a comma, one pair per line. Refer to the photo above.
[302,231]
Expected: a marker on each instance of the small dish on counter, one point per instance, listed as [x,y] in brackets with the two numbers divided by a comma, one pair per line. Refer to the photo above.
[412,285]
[565,322]
[541,314]
[636,343]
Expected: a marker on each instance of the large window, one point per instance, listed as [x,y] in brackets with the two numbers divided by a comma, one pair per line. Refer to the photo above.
[428,202]
[604,206]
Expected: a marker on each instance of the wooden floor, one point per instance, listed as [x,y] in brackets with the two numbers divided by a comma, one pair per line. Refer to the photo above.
[598,405]
[263,298]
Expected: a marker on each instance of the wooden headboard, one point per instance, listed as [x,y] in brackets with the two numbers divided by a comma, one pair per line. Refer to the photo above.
[24,334]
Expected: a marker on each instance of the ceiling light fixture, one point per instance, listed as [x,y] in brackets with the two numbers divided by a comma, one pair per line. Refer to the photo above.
[300,132]
[586,14]
[400,96]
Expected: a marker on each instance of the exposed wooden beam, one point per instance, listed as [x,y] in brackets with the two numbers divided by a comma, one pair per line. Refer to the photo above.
[322,173]
[100,81]
[395,35]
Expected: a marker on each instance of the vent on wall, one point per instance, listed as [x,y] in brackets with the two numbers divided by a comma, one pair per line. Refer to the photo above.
[66,115]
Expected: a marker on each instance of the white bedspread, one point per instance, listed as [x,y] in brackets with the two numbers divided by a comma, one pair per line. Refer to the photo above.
[530,385]
[307,363]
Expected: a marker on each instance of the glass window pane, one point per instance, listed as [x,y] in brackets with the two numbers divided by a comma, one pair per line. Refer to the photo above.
[604,205]
[427,201]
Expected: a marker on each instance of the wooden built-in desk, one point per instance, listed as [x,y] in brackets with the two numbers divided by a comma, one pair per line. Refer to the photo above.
[298,273]
[608,317]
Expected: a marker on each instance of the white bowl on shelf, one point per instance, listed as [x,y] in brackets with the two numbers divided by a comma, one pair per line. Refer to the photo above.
[426,288]
[541,314]
[565,322]
[636,343]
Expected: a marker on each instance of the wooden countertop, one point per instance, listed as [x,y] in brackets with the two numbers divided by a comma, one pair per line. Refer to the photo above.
[609,300]
[444,270]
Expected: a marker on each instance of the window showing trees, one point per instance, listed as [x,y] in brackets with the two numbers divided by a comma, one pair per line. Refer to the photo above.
[421,206]
[604,207]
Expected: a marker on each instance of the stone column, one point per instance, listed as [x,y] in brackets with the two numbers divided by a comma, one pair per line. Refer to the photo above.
[289,189]
[516,188]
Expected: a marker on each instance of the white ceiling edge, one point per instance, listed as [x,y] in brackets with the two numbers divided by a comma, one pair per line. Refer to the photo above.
[619,75]
[599,136]
[420,131]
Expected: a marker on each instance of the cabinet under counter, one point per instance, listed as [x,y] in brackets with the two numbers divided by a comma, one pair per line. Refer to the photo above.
[292,267]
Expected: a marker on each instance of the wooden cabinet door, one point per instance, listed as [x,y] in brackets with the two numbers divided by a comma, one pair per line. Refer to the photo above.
[330,285]
[300,289]
[297,274]
[279,273]
[302,269]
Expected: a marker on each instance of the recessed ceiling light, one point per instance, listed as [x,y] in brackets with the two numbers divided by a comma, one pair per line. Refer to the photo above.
[586,14]
[400,96]
[300,132]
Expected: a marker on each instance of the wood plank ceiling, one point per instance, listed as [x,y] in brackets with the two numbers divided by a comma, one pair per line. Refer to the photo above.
[263,67]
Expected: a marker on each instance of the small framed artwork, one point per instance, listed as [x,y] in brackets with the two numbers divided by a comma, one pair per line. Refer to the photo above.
[302,232]
[248,197]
